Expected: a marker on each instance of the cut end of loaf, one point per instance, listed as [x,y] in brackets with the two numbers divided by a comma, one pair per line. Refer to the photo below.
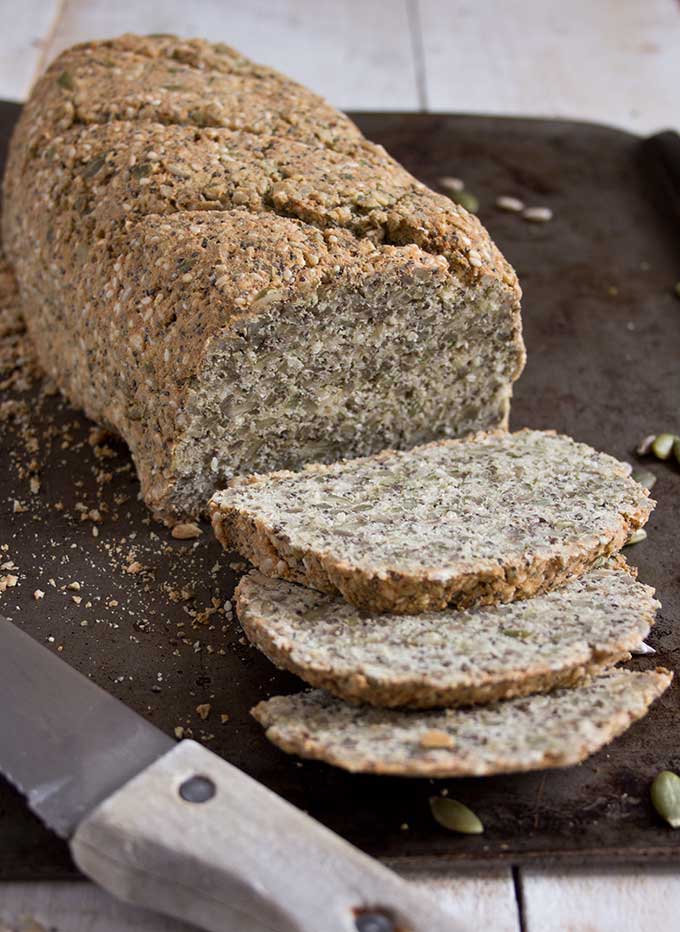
[405,358]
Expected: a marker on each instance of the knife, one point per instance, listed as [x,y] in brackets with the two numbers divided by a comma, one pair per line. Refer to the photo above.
[173,827]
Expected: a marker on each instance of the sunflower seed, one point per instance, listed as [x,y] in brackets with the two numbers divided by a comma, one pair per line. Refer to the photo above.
[455,816]
[642,649]
[538,214]
[636,537]
[513,204]
[452,184]
[662,445]
[665,793]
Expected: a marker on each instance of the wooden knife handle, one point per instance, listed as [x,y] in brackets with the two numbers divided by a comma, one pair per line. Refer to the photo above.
[195,838]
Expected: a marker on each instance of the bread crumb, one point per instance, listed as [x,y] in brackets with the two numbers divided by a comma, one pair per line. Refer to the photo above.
[134,567]
[203,710]
[38,594]
[186,531]
[224,717]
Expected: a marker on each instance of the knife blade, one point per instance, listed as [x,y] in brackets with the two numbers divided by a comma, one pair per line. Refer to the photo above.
[175,828]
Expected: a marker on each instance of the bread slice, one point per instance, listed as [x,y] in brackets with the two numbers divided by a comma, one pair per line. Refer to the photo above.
[554,730]
[491,519]
[453,657]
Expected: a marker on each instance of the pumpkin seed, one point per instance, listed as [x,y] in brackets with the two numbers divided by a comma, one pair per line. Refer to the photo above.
[518,633]
[636,537]
[91,168]
[141,170]
[65,80]
[455,816]
[645,445]
[466,199]
[665,793]
[662,445]
[644,477]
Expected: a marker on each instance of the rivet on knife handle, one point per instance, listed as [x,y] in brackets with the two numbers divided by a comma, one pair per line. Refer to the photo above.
[196,838]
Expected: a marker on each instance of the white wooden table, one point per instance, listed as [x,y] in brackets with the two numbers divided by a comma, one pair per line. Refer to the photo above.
[611,61]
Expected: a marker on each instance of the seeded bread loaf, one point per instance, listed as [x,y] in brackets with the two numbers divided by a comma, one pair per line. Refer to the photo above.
[490,519]
[554,730]
[448,658]
[215,264]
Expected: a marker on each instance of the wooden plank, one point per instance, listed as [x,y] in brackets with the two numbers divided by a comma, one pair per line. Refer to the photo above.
[621,899]
[482,901]
[349,51]
[25,30]
[609,61]
[483,898]
[74,907]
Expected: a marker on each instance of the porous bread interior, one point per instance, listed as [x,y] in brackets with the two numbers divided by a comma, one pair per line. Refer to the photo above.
[393,365]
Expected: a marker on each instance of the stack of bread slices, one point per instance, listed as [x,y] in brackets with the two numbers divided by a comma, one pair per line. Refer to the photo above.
[458,609]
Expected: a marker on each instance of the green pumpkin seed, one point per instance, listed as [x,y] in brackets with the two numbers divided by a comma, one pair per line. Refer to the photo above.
[636,537]
[645,445]
[142,170]
[676,449]
[518,633]
[466,199]
[455,816]
[65,80]
[662,445]
[91,168]
[644,477]
[665,793]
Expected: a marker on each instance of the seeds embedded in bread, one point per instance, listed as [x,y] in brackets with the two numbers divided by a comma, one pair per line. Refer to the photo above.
[489,519]
[452,657]
[557,729]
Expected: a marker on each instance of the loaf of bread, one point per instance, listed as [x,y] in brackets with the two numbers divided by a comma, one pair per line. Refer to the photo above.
[215,264]
[493,518]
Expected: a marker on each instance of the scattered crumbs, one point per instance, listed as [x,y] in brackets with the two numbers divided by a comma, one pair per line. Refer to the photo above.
[179,732]
[224,717]
[38,594]
[134,567]
[203,710]
[8,582]
[73,586]
[77,599]
[34,484]
[186,531]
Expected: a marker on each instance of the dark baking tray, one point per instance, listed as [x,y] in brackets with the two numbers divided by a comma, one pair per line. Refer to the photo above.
[603,335]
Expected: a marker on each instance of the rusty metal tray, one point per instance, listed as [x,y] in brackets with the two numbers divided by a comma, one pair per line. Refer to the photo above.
[603,334]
